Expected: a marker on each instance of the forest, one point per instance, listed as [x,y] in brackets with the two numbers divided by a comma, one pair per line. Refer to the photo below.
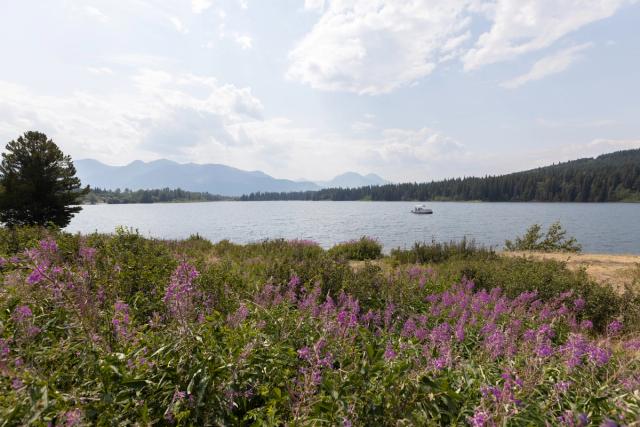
[613,177]
[164,195]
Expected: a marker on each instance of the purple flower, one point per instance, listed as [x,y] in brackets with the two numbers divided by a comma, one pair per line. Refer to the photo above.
[304,353]
[181,294]
[17,384]
[479,419]
[49,245]
[22,313]
[599,356]
[614,327]
[87,253]
[389,352]
[36,276]
[121,320]
[73,417]
[239,316]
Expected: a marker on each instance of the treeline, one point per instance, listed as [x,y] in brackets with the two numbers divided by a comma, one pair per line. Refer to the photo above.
[610,177]
[164,195]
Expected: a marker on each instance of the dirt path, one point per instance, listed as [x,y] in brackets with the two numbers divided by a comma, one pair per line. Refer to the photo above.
[618,270]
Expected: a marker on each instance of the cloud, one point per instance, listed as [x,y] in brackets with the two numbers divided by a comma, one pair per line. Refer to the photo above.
[552,64]
[375,46]
[100,71]
[524,26]
[199,6]
[244,41]
[178,25]
[315,5]
[96,13]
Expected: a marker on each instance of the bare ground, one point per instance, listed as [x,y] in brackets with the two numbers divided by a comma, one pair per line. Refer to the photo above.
[617,270]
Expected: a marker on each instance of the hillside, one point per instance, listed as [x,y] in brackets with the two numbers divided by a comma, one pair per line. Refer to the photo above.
[210,178]
[610,177]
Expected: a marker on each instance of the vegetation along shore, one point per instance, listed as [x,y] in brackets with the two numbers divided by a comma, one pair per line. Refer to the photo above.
[121,329]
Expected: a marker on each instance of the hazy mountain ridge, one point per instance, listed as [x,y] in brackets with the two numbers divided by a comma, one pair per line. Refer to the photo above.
[212,178]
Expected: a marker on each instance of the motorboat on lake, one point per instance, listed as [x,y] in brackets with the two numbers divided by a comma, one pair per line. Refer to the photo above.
[421,209]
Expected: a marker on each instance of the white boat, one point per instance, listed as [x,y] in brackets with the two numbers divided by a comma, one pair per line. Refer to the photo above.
[421,209]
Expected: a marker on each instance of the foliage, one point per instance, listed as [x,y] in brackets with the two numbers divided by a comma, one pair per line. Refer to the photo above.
[607,178]
[123,330]
[357,250]
[164,195]
[38,183]
[554,240]
[436,252]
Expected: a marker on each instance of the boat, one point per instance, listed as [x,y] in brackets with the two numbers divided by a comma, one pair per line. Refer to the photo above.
[421,209]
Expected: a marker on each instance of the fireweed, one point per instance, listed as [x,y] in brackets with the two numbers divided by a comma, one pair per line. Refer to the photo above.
[220,344]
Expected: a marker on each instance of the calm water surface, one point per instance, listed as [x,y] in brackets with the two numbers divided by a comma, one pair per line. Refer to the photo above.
[613,227]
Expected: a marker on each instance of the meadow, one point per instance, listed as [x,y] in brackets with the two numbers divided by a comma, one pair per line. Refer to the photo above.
[124,330]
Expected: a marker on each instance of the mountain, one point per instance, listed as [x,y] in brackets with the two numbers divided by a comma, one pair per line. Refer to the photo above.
[213,178]
[610,177]
[352,180]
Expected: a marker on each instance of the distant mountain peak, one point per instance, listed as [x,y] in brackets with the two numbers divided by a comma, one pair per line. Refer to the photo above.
[213,178]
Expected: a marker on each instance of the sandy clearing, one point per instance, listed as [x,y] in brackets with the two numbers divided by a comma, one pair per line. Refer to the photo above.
[617,270]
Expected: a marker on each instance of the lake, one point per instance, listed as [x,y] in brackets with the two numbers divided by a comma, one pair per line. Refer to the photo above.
[611,227]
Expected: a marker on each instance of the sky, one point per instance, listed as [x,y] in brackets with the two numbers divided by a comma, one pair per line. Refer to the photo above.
[412,90]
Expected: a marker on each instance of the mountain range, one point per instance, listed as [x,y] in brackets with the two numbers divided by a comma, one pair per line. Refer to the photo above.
[212,178]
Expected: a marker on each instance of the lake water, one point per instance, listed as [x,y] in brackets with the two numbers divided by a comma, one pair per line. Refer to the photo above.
[612,227]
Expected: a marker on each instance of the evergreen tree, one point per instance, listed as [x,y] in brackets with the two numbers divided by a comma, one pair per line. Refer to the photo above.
[39,183]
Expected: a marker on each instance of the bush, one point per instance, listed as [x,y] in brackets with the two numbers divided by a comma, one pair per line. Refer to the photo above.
[437,252]
[357,250]
[555,240]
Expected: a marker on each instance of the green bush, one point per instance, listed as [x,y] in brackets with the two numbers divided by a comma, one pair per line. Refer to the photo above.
[437,252]
[555,240]
[357,250]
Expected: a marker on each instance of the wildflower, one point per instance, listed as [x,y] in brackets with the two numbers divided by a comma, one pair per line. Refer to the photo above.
[389,352]
[480,418]
[17,384]
[586,324]
[35,276]
[614,327]
[181,294]
[599,356]
[73,417]
[304,353]
[579,303]
[87,253]
[121,320]
[22,313]
[239,316]
[48,245]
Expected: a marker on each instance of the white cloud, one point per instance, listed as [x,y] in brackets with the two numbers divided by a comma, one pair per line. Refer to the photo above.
[315,5]
[185,117]
[199,6]
[529,25]
[100,71]
[178,25]
[376,46]
[96,13]
[373,47]
[244,41]
[552,64]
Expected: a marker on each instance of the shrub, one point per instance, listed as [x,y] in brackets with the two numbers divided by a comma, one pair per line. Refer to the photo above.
[437,252]
[357,250]
[554,240]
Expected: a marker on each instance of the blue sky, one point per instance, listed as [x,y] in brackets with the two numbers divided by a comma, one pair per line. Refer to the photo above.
[411,89]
